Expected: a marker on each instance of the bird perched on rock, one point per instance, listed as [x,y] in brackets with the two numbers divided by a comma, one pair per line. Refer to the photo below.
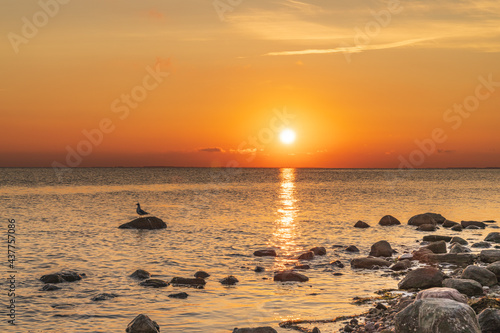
[140,211]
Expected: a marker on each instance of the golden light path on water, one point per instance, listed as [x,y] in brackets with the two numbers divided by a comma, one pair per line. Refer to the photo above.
[285,228]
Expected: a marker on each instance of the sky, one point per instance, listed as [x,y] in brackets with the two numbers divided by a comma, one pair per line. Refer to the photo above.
[363,84]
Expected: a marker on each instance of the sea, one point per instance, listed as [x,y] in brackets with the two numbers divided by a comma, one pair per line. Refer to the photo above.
[216,219]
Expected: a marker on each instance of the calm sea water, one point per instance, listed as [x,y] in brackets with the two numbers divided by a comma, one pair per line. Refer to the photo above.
[216,219]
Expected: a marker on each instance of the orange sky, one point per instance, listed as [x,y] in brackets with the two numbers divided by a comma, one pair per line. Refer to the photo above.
[362,83]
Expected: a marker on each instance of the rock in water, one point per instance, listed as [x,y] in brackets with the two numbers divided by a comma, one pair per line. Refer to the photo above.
[481,245]
[493,237]
[306,256]
[285,276]
[495,269]
[381,249]
[459,240]
[489,256]
[182,295]
[421,219]
[389,220]
[140,274]
[369,263]
[201,275]
[480,274]
[149,223]
[318,251]
[437,238]
[459,259]
[196,282]
[265,329]
[361,225]
[437,315]
[437,247]
[458,248]
[478,224]
[448,293]
[422,278]
[155,283]
[449,224]
[229,281]
[401,265]
[142,324]
[352,248]
[489,320]
[62,277]
[437,217]
[265,253]
[52,278]
[50,287]
[426,227]
[103,297]
[465,286]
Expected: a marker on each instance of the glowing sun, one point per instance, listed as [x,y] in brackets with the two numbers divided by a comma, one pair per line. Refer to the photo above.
[287,136]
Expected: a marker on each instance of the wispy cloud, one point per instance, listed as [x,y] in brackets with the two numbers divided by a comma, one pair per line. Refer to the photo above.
[211,150]
[351,49]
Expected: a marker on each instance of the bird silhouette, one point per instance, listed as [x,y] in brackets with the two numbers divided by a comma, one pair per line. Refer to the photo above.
[140,211]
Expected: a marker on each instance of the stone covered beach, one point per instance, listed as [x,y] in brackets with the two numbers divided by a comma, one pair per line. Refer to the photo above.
[446,284]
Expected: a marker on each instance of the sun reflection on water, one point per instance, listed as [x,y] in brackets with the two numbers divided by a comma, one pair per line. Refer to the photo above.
[285,228]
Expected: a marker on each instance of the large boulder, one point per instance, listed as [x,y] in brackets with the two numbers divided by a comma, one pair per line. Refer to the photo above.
[437,247]
[389,220]
[437,217]
[142,324]
[265,329]
[494,268]
[489,320]
[489,256]
[437,315]
[493,237]
[422,278]
[466,224]
[149,223]
[265,253]
[369,263]
[459,259]
[362,225]
[465,286]
[421,219]
[480,274]
[458,248]
[285,276]
[436,238]
[381,249]
[448,293]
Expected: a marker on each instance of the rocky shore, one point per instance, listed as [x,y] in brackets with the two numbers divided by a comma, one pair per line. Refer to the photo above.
[446,285]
